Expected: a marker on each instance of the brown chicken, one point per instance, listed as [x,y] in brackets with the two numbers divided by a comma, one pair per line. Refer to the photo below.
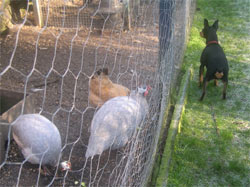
[103,89]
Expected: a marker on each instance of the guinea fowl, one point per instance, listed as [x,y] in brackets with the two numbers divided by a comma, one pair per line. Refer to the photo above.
[116,121]
[39,140]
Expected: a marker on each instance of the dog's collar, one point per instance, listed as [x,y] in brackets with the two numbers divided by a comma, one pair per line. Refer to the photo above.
[212,42]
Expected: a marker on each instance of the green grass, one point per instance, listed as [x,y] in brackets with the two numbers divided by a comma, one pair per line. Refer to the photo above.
[213,148]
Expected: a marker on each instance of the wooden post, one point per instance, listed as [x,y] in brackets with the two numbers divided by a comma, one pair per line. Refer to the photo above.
[126,18]
[38,13]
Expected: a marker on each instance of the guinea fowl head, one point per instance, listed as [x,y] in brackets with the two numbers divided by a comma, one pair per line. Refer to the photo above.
[144,90]
[66,165]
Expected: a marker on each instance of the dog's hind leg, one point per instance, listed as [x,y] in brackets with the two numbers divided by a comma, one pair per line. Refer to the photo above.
[224,89]
[204,89]
[201,75]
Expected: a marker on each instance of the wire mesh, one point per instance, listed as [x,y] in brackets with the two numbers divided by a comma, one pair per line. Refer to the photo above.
[77,13]
[55,63]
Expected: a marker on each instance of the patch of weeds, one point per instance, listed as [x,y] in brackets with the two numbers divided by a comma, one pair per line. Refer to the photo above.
[237,166]
[219,167]
[226,136]
[234,180]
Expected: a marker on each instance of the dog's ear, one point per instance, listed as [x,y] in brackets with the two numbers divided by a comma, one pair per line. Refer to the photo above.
[216,25]
[206,23]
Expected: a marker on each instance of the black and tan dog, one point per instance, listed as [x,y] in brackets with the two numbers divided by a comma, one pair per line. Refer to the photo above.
[213,57]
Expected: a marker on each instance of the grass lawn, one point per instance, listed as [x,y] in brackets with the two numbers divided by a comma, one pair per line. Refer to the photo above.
[213,148]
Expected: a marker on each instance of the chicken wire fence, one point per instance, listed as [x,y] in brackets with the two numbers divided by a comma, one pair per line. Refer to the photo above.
[56,63]
[91,13]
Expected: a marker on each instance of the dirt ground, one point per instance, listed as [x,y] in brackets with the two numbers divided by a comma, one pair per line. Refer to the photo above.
[60,63]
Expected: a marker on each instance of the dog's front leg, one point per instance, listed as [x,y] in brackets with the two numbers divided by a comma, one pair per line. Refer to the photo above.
[204,89]
[201,75]
[224,89]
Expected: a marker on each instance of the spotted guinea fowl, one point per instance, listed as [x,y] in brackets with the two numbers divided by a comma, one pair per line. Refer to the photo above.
[39,140]
[115,122]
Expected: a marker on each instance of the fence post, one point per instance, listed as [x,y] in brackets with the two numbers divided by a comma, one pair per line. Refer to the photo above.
[126,13]
[165,25]
[38,13]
